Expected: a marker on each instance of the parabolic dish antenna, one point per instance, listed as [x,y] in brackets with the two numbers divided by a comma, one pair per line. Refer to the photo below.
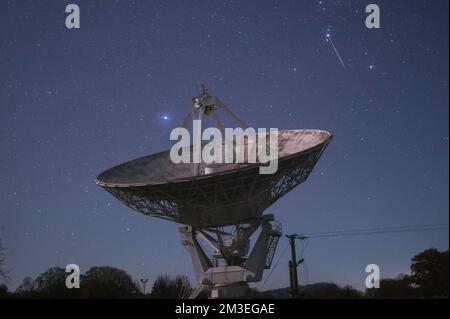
[208,199]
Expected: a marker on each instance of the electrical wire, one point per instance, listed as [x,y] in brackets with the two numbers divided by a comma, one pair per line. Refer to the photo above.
[356,232]
[380,230]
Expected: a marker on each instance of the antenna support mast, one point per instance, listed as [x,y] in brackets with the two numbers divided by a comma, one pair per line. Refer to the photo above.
[233,265]
[206,104]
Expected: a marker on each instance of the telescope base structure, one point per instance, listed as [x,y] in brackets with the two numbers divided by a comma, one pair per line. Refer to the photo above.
[231,267]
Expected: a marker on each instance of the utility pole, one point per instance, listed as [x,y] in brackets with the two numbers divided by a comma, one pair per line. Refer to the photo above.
[293,264]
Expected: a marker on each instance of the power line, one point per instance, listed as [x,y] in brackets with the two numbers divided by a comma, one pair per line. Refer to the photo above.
[374,231]
[358,232]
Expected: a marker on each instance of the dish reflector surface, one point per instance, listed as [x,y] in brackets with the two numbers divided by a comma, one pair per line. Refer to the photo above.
[219,195]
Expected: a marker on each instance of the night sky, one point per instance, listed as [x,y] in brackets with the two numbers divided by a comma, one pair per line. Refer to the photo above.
[76,102]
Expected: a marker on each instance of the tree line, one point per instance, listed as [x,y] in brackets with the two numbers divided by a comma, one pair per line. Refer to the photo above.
[97,282]
[428,279]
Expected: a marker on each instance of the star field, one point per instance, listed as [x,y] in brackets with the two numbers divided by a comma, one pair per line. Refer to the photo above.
[75,102]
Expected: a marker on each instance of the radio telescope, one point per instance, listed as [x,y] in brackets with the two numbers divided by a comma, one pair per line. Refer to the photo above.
[219,205]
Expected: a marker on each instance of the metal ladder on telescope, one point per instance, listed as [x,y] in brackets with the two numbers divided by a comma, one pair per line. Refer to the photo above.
[272,245]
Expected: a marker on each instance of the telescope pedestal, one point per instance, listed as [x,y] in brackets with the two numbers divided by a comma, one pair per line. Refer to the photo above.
[227,272]
[231,291]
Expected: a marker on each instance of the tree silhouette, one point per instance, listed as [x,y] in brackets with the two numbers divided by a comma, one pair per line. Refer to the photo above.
[428,279]
[108,282]
[49,284]
[399,287]
[165,287]
[27,288]
[3,273]
[3,291]
[429,271]
[98,282]
[330,291]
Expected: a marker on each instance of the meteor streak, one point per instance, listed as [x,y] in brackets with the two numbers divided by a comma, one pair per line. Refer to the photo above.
[329,40]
